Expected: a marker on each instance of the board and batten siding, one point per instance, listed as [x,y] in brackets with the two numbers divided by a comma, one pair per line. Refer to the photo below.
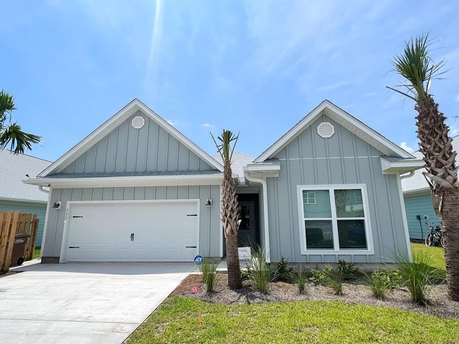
[420,204]
[342,159]
[129,150]
[209,226]
[28,208]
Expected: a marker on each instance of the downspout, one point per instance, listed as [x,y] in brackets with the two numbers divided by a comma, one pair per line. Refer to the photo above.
[407,175]
[42,189]
[264,188]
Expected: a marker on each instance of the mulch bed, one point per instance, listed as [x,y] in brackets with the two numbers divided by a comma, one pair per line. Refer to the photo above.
[355,292]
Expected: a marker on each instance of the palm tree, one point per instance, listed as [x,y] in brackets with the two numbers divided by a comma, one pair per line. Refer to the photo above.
[418,69]
[11,133]
[229,211]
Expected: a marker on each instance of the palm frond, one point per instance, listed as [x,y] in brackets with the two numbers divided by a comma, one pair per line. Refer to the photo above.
[227,144]
[17,139]
[417,67]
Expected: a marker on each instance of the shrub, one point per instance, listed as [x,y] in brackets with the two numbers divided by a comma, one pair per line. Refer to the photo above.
[259,271]
[380,283]
[208,269]
[283,272]
[347,270]
[416,277]
[329,277]
[301,280]
[320,277]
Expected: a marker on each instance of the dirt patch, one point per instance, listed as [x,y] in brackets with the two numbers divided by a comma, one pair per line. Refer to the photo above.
[356,292]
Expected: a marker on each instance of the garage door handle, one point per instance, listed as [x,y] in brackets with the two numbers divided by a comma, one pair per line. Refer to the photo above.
[190,246]
[74,246]
[191,214]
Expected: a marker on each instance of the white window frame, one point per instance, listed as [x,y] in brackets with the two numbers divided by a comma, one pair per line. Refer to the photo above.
[331,188]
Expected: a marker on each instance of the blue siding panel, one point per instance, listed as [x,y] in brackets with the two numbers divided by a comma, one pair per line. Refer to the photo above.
[28,208]
[420,205]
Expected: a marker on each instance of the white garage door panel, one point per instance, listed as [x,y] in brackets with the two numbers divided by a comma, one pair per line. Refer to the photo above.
[163,231]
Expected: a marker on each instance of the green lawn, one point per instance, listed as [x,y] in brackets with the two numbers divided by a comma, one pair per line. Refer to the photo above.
[36,253]
[435,255]
[185,320]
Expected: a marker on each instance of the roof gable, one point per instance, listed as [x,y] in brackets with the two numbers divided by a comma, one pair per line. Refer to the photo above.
[346,120]
[167,139]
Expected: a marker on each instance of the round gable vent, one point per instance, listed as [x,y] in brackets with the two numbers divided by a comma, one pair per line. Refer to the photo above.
[325,130]
[138,122]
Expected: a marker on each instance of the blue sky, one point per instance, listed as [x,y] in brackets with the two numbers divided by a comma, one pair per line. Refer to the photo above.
[251,66]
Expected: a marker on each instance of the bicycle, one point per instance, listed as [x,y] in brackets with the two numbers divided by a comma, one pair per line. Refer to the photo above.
[435,237]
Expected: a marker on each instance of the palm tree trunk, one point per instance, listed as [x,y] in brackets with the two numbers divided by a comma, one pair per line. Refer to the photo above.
[450,230]
[230,217]
[441,173]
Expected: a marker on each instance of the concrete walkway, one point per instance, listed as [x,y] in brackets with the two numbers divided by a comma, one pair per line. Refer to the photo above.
[83,303]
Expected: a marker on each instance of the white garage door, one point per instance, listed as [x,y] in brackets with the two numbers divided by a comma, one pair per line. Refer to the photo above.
[128,231]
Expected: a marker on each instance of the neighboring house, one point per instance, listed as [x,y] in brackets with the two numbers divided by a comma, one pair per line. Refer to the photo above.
[418,201]
[136,189]
[17,196]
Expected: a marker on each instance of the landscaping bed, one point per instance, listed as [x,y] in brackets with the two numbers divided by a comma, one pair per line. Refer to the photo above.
[355,292]
[338,304]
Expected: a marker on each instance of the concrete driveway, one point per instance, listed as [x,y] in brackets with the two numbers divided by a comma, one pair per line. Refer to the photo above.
[83,303]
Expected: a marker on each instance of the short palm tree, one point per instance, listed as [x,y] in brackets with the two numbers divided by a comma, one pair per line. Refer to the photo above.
[435,143]
[11,133]
[229,212]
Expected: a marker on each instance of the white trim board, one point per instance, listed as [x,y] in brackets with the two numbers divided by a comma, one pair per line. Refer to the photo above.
[128,181]
[346,120]
[127,111]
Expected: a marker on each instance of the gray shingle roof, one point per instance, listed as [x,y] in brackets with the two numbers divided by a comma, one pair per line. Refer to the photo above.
[13,169]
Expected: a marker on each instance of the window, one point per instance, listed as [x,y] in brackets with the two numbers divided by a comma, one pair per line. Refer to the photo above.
[334,218]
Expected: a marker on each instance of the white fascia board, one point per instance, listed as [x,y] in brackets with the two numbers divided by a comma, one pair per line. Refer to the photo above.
[262,170]
[127,111]
[262,167]
[22,200]
[127,181]
[418,192]
[400,167]
[343,118]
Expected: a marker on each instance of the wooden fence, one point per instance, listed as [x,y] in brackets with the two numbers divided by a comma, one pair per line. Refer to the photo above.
[12,223]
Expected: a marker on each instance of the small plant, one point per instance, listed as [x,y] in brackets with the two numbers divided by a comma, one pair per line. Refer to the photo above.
[380,283]
[208,269]
[416,277]
[335,280]
[301,280]
[283,272]
[259,270]
[320,277]
[347,270]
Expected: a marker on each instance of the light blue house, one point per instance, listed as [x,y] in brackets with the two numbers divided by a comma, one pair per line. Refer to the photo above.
[17,196]
[136,189]
[418,201]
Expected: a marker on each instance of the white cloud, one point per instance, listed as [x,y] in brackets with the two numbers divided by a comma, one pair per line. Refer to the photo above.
[208,126]
[406,147]
[457,97]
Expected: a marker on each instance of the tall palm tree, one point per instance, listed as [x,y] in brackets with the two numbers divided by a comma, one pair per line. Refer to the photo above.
[229,212]
[11,133]
[418,69]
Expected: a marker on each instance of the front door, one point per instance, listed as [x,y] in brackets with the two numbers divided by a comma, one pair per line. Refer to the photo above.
[248,234]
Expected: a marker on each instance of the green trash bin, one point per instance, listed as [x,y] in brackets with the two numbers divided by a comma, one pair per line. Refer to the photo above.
[19,247]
